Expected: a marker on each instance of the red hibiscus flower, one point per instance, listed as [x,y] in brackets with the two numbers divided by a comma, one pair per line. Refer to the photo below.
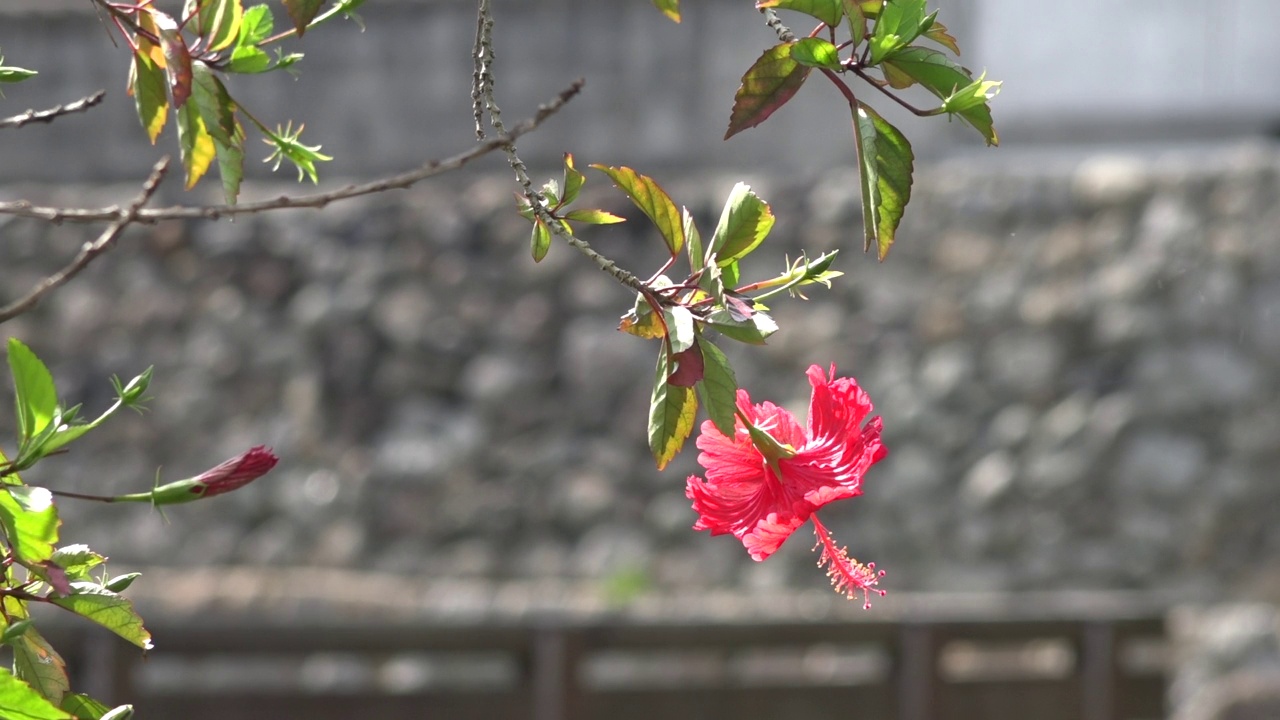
[773,474]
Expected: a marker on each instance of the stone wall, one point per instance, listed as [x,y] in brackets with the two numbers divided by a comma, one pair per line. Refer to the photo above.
[1077,362]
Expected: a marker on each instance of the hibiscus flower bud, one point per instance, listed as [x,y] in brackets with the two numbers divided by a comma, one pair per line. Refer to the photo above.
[231,475]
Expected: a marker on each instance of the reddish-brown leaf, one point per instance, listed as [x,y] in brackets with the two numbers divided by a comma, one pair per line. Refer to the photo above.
[767,85]
[302,12]
[690,367]
[177,58]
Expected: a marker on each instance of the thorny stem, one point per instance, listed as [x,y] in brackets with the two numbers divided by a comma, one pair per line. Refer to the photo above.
[483,92]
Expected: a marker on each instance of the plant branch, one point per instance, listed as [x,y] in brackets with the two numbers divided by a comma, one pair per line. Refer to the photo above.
[46,116]
[773,21]
[880,86]
[24,208]
[482,92]
[90,250]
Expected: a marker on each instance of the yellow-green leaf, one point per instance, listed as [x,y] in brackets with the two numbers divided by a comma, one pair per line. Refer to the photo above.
[195,143]
[34,391]
[942,77]
[670,8]
[31,527]
[768,84]
[828,11]
[19,701]
[219,22]
[718,388]
[147,86]
[672,412]
[593,217]
[652,200]
[40,666]
[816,52]
[115,613]
[885,162]
[540,241]
[744,223]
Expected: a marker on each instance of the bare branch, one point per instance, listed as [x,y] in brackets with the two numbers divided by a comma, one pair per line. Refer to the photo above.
[90,250]
[775,23]
[24,208]
[45,116]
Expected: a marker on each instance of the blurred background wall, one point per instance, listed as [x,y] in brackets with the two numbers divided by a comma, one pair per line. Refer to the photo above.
[1075,344]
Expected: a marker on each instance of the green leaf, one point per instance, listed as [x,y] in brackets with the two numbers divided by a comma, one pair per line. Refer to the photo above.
[719,387]
[195,143]
[219,22]
[218,112]
[680,329]
[19,701]
[670,8]
[573,180]
[828,11]
[287,145]
[34,391]
[767,85]
[231,164]
[672,412]
[120,583]
[249,60]
[40,666]
[899,23]
[77,560]
[147,86]
[12,74]
[816,52]
[84,707]
[593,217]
[744,223]
[943,78]
[256,26]
[752,330]
[885,162]
[177,57]
[857,21]
[302,12]
[652,200]
[540,240]
[32,530]
[693,240]
[115,613]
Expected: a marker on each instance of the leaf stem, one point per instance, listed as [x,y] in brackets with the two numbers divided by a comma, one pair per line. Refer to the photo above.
[880,86]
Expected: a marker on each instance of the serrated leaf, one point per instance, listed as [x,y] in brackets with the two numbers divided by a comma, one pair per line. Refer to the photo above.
[150,97]
[767,85]
[828,11]
[670,8]
[816,52]
[84,707]
[40,666]
[680,329]
[231,164]
[672,412]
[256,26]
[31,533]
[899,23]
[652,200]
[885,164]
[573,180]
[302,12]
[942,77]
[20,701]
[744,223]
[219,22]
[593,217]
[752,330]
[857,18]
[195,143]
[540,240]
[34,391]
[939,34]
[177,58]
[214,103]
[719,387]
[692,239]
[111,611]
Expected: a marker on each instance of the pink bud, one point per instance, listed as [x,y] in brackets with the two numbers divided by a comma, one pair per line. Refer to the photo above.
[234,473]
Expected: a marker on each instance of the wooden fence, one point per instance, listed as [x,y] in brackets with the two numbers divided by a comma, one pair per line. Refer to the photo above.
[1039,665]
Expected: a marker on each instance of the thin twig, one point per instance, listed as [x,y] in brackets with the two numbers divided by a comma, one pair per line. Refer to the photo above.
[90,250]
[483,89]
[44,116]
[880,86]
[24,208]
